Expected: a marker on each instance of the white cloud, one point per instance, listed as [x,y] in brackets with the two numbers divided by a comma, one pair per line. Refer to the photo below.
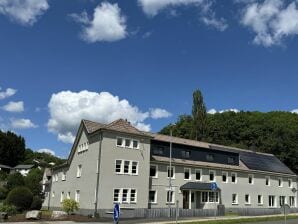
[24,12]
[22,123]
[271,20]
[7,93]
[295,111]
[47,151]
[107,24]
[219,24]
[157,113]
[14,106]
[214,111]
[68,108]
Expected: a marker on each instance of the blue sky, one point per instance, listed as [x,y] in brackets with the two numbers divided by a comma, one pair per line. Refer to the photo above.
[61,61]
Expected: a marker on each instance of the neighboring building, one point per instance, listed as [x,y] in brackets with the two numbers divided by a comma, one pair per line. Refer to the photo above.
[5,168]
[119,163]
[23,169]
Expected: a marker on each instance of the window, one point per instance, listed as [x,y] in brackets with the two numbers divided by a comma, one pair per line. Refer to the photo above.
[280,182]
[63,176]
[250,179]
[198,175]
[127,143]
[260,199]
[171,173]
[290,183]
[68,195]
[267,181]
[224,177]
[116,195]
[125,195]
[231,160]
[234,199]
[126,167]
[158,151]
[83,147]
[77,196]
[120,142]
[187,175]
[152,196]
[282,200]
[118,166]
[271,201]
[133,195]
[153,171]
[292,201]
[204,197]
[170,196]
[247,199]
[134,168]
[211,175]
[209,197]
[135,144]
[185,154]
[53,194]
[79,171]
[213,196]
[210,157]
[62,196]
[234,178]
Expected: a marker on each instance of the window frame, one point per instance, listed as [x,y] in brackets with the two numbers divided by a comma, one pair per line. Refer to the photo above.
[274,201]
[156,171]
[269,181]
[252,179]
[236,199]
[189,173]
[249,199]
[280,182]
[201,174]
[290,183]
[172,196]
[262,199]
[208,193]
[79,170]
[155,197]
[214,175]
[227,176]
[234,174]
[173,177]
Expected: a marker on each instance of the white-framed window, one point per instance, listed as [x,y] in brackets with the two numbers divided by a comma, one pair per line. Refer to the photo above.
[154,171]
[77,196]
[212,175]
[134,167]
[292,201]
[224,177]
[125,195]
[83,147]
[68,195]
[187,174]
[126,167]
[250,178]
[62,196]
[152,196]
[260,199]
[290,183]
[234,178]
[271,201]
[171,173]
[267,181]
[116,195]
[63,176]
[118,166]
[280,182]
[133,195]
[120,142]
[127,143]
[135,144]
[209,197]
[53,194]
[234,199]
[247,199]
[79,170]
[170,196]
[282,200]
[198,174]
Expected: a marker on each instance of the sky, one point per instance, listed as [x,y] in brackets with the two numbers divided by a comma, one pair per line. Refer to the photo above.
[141,60]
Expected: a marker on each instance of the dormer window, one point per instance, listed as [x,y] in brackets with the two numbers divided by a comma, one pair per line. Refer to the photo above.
[127,143]
[185,154]
[158,151]
[231,160]
[210,157]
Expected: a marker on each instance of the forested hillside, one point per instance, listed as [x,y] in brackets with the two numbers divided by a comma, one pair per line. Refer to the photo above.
[273,132]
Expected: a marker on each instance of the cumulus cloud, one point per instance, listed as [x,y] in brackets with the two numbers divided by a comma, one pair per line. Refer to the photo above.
[157,113]
[7,93]
[295,111]
[24,12]
[22,123]
[14,106]
[47,151]
[108,23]
[68,108]
[219,24]
[271,20]
[214,111]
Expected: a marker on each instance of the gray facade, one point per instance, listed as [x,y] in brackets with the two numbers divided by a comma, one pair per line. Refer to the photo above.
[111,163]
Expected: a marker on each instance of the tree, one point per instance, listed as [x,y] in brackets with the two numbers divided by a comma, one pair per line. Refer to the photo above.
[32,181]
[69,206]
[21,197]
[198,116]
[15,180]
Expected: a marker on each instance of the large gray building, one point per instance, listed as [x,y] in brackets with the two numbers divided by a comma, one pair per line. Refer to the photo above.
[116,162]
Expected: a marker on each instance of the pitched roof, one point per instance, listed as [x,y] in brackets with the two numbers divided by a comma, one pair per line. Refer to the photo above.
[196,186]
[5,166]
[119,125]
[21,166]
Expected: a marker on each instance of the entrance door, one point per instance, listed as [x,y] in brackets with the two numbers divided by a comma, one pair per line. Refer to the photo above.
[185,199]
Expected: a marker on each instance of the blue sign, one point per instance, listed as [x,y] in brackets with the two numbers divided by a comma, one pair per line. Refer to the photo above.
[116,213]
[213,186]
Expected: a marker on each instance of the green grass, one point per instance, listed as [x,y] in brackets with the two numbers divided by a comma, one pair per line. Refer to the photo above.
[244,220]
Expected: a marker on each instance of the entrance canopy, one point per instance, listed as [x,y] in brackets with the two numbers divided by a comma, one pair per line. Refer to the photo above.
[197,186]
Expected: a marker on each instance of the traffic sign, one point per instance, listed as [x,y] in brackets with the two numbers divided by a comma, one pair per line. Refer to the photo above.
[116,213]
[213,186]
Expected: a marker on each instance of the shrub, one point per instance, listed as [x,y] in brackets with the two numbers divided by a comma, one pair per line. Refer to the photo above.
[3,175]
[9,209]
[21,197]
[32,181]
[3,193]
[15,180]
[36,203]
[70,205]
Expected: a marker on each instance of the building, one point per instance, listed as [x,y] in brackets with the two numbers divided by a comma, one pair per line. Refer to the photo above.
[116,162]
[23,169]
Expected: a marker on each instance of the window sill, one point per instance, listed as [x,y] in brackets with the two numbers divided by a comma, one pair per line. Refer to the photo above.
[154,177]
[248,204]
[170,203]
[187,179]
[153,203]
[260,204]
[235,204]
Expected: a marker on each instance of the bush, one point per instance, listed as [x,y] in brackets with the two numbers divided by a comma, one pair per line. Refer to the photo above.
[36,203]
[15,180]
[3,193]
[21,197]
[3,175]
[70,205]
[32,181]
[9,209]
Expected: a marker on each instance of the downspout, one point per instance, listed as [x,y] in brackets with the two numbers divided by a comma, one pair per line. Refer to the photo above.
[97,175]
